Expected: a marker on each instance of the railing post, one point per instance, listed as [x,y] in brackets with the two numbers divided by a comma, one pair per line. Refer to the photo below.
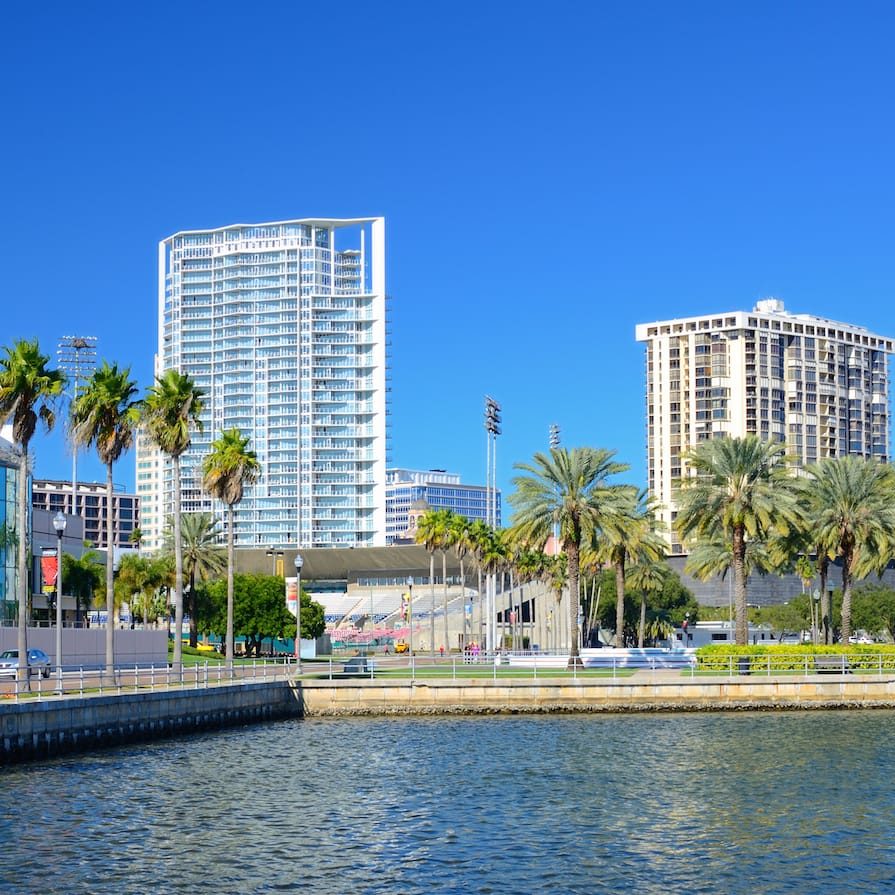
[769,664]
[613,668]
[81,687]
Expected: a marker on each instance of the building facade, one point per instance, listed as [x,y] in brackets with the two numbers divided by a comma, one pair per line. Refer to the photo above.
[819,385]
[433,489]
[282,325]
[55,496]
[10,482]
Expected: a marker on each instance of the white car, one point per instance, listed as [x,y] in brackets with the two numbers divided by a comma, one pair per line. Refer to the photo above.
[38,661]
[859,638]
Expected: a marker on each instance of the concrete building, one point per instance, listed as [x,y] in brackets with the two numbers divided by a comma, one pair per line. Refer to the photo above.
[52,496]
[283,326]
[432,489]
[819,385]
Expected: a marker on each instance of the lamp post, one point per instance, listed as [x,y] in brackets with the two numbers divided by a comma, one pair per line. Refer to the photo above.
[276,556]
[815,616]
[59,525]
[410,615]
[299,562]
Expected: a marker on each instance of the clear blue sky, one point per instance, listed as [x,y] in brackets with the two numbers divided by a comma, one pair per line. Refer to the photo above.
[551,174]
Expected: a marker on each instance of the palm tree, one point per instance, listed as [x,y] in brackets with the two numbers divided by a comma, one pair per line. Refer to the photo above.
[852,502]
[27,389]
[105,415]
[628,535]
[740,491]
[647,577]
[173,408]
[432,533]
[569,487]
[225,472]
[81,576]
[203,558]
[479,534]
[458,537]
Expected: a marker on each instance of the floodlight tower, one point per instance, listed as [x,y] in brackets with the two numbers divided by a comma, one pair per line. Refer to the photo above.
[76,355]
[492,427]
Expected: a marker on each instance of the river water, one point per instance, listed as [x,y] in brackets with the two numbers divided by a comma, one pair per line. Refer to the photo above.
[714,803]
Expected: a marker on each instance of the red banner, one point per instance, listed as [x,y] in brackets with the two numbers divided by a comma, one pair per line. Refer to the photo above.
[48,573]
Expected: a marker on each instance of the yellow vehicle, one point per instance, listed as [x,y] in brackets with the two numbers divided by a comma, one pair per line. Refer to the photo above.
[401,646]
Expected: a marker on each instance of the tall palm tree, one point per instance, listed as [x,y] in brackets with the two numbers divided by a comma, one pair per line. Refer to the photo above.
[647,577]
[458,537]
[225,473]
[27,390]
[740,490]
[173,408]
[571,488]
[479,534]
[81,576]
[203,557]
[852,501]
[630,534]
[432,533]
[105,415]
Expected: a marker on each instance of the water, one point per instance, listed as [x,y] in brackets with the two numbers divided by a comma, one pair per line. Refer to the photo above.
[752,803]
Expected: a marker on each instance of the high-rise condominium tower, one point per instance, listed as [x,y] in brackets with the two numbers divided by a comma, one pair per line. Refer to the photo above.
[283,327]
[820,386]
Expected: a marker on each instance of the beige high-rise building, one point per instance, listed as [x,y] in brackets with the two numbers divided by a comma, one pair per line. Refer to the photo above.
[819,385]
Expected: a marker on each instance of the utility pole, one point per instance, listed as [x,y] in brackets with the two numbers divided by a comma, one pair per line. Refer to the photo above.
[492,428]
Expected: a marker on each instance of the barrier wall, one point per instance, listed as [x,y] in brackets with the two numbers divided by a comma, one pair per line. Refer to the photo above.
[87,646]
[34,729]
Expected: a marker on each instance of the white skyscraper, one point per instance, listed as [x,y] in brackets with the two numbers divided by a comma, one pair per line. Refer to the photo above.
[820,386]
[283,327]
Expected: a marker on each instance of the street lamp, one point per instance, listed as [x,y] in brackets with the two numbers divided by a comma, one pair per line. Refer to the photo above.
[59,525]
[410,615]
[815,617]
[299,562]
[277,555]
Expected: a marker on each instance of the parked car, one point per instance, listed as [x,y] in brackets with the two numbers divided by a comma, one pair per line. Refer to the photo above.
[860,638]
[401,646]
[38,661]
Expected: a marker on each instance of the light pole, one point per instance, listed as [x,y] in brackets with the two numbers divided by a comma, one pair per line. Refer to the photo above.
[59,525]
[492,427]
[410,615]
[299,562]
[815,616]
[276,556]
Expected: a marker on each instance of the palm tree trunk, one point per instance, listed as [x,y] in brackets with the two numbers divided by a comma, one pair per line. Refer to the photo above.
[110,574]
[194,622]
[479,600]
[739,585]
[574,571]
[447,637]
[432,606]
[847,559]
[826,610]
[463,602]
[22,638]
[177,657]
[641,630]
[620,601]
[229,634]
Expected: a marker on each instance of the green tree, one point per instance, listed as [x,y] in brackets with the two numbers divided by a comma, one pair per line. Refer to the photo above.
[259,610]
[82,577]
[140,583]
[571,488]
[458,536]
[226,472]
[873,609]
[647,577]
[203,557]
[740,491]
[27,393]
[852,502]
[105,415]
[173,408]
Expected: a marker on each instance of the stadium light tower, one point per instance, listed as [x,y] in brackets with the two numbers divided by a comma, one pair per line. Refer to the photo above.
[76,355]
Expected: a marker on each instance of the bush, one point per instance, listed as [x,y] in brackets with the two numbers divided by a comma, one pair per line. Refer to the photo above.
[761,658]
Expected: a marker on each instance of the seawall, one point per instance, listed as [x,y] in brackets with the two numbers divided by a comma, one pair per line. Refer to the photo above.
[365,697]
[34,729]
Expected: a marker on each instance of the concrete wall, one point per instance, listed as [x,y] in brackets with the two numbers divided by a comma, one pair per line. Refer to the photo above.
[358,697]
[32,729]
[87,646]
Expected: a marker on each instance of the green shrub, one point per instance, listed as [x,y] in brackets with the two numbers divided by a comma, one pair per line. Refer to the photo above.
[789,657]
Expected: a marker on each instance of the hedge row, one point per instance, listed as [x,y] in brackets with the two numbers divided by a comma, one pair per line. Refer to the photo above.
[791,657]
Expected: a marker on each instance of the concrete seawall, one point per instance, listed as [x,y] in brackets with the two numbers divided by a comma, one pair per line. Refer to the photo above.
[362,697]
[32,729]
[35,729]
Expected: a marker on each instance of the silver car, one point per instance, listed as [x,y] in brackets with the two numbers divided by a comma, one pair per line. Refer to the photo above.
[38,661]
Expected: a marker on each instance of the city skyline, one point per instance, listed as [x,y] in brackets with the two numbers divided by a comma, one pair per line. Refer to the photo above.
[577,175]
